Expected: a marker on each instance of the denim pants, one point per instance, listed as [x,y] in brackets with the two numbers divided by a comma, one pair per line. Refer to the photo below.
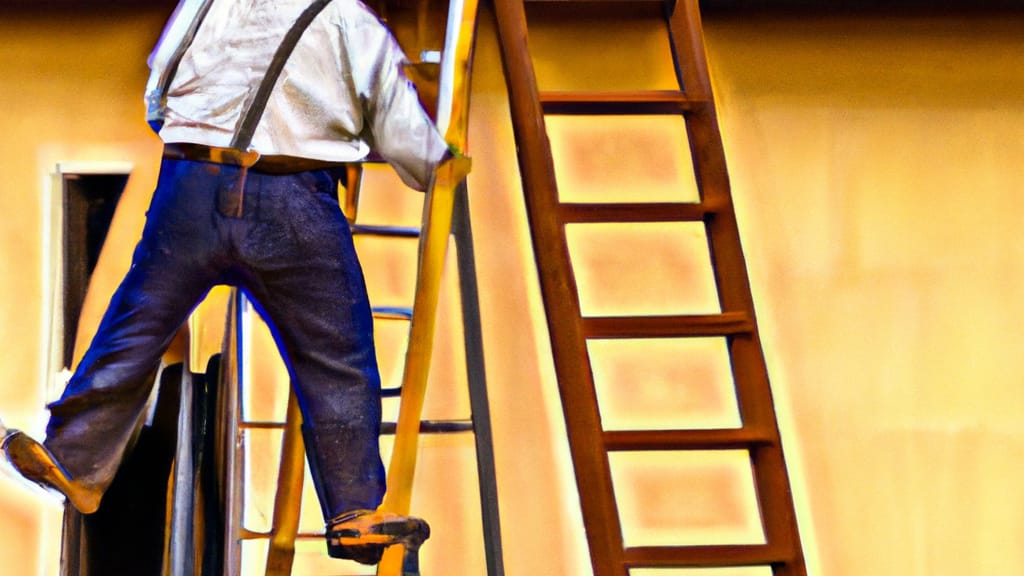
[284,241]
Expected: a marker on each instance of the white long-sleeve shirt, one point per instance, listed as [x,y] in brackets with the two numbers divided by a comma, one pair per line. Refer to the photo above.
[341,92]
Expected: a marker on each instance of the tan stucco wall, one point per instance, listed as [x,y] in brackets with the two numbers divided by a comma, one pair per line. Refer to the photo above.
[876,165]
[69,88]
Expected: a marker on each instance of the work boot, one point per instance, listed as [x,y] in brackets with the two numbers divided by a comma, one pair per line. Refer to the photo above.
[363,535]
[35,463]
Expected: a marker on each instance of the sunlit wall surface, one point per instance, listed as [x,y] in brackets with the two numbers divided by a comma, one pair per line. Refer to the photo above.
[876,165]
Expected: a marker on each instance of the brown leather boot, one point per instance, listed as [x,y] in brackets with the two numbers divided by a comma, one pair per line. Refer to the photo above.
[35,463]
[362,535]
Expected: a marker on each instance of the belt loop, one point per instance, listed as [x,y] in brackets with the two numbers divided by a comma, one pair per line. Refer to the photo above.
[231,191]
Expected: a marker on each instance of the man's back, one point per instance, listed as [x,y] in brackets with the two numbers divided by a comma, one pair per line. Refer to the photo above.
[341,91]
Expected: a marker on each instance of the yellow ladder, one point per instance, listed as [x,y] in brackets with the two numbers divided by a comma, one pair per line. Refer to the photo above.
[573,334]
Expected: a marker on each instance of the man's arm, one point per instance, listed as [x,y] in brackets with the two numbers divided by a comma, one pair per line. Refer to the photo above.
[399,129]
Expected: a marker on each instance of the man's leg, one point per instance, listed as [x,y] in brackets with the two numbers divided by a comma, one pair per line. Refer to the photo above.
[93,422]
[307,282]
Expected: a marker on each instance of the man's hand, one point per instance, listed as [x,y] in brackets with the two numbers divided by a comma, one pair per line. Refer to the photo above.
[459,164]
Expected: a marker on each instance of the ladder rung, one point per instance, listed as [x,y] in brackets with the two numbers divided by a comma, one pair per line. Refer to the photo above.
[427,67]
[602,103]
[392,313]
[247,534]
[433,426]
[705,556]
[627,2]
[426,426]
[634,212]
[566,9]
[387,231]
[698,439]
[260,425]
[689,326]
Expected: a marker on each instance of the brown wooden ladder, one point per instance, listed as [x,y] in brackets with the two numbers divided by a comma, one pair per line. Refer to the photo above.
[572,332]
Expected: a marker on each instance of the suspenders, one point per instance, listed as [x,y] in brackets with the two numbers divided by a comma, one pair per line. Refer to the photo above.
[246,126]
[250,118]
[231,200]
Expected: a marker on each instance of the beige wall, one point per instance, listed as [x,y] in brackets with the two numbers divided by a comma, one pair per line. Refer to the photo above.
[876,166]
[68,92]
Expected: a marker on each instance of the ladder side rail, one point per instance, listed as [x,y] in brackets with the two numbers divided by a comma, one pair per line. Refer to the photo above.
[561,300]
[748,364]
[433,249]
[435,233]
[728,262]
[438,212]
[709,163]
[181,551]
[476,374]
[419,351]
[230,457]
[288,502]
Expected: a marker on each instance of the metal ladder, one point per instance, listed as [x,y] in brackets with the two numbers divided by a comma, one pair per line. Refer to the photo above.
[572,332]
[445,215]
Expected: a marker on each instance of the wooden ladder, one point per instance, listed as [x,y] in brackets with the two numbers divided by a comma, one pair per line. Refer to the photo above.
[570,330]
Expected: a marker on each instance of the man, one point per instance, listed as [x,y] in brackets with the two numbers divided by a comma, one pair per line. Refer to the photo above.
[248,197]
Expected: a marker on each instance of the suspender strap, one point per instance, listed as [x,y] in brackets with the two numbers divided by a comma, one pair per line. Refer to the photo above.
[254,111]
[172,64]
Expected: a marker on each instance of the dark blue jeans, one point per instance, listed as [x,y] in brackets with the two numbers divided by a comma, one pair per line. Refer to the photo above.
[290,249]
